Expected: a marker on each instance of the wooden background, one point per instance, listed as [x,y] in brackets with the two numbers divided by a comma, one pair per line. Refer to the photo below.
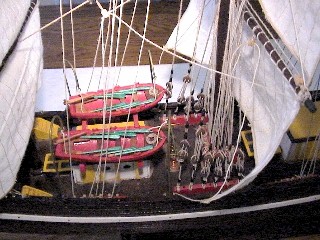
[163,18]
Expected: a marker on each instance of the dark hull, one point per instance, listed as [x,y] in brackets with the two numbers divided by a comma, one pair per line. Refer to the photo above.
[256,209]
[267,224]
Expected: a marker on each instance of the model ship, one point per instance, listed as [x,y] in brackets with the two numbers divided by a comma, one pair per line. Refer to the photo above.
[141,143]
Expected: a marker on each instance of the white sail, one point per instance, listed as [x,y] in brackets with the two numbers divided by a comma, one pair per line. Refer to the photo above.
[195,31]
[19,80]
[268,101]
[11,18]
[298,25]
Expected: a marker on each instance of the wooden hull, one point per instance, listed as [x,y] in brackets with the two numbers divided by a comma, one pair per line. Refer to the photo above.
[90,105]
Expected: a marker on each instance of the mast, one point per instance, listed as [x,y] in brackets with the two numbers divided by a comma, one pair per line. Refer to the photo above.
[222,35]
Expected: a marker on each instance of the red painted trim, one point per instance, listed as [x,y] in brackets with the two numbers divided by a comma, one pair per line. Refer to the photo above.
[203,188]
[194,119]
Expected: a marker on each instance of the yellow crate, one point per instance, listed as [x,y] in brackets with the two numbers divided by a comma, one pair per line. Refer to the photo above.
[41,129]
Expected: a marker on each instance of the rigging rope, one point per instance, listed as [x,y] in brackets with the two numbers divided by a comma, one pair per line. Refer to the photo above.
[67,112]
[57,19]
[298,44]
[221,116]
[73,37]
[227,107]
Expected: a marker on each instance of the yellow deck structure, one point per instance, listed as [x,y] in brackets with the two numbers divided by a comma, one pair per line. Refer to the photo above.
[61,165]
[246,136]
[109,173]
[301,140]
[247,140]
[107,125]
[42,127]
[28,191]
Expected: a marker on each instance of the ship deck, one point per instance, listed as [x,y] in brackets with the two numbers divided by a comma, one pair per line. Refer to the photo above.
[152,197]
[158,187]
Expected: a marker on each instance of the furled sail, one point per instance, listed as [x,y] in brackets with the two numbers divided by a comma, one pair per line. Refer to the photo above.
[195,33]
[19,80]
[298,25]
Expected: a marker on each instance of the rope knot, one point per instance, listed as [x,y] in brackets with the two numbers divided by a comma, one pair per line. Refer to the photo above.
[252,42]
[298,80]
[105,13]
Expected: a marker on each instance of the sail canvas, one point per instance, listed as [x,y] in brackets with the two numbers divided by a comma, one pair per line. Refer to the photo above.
[19,81]
[298,25]
[194,35]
